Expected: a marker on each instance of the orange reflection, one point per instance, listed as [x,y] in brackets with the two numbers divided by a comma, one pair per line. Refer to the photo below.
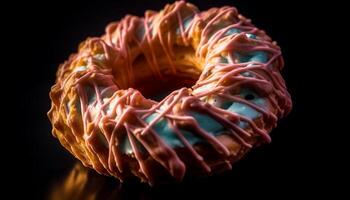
[83,183]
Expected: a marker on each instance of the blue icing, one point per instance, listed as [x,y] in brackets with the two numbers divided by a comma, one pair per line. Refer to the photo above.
[162,128]
[191,138]
[256,56]
[250,35]
[205,122]
[232,31]
[168,135]
[186,23]
[245,110]
[208,123]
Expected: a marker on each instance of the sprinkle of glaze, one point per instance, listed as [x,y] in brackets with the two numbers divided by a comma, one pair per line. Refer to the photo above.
[104,122]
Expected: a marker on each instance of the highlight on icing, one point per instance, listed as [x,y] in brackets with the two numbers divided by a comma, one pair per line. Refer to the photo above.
[112,108]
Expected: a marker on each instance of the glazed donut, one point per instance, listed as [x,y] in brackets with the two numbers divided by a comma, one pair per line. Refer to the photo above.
[111,110]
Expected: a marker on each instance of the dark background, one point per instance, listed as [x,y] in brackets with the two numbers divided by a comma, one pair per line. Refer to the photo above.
[46,33]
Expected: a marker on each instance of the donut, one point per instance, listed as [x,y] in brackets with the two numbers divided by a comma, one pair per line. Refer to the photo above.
[176,93]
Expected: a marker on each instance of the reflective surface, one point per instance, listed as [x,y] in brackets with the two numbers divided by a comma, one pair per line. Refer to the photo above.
[82,183]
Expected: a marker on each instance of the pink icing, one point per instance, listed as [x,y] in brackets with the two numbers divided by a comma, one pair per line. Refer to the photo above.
[119,111]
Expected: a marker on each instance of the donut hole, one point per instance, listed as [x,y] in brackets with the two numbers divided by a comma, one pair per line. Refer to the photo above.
[156,89]
[183,71]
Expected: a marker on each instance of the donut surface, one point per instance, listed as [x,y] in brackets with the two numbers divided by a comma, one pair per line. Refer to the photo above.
[111,106]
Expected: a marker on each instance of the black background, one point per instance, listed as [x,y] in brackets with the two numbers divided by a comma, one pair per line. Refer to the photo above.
[46,33]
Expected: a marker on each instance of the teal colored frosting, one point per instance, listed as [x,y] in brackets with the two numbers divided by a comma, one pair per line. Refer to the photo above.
[245,110]
[206,122]
[186,23]
[164,131]
[250,35]
[256,56]
[232,31]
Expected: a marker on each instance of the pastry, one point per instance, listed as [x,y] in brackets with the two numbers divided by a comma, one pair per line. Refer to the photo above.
[176,93]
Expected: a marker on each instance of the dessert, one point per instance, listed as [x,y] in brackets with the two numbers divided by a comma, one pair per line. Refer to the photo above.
[111,110]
